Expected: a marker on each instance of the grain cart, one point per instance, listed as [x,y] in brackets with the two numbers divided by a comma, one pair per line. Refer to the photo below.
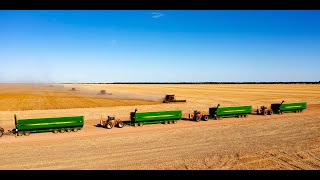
[233,111]
[111,122]
[55,125]
[171,98]
[159,117]
[290,107]
[264,111]
[198,115]
[1,131]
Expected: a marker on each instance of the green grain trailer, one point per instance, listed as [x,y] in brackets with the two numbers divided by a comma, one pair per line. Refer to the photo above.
[290,107]
[233,111]
[58,124]
[165,117]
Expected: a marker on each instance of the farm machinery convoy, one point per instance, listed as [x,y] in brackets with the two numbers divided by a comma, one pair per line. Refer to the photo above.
[75,123]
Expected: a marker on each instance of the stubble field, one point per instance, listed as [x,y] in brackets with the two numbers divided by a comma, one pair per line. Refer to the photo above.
[289,141]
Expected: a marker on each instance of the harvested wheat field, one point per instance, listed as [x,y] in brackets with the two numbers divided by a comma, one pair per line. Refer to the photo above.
[288,141]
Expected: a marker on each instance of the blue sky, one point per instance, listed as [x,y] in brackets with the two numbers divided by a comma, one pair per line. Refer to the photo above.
[159,46]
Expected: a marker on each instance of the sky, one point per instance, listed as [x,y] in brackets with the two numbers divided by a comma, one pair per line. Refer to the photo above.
[58,46]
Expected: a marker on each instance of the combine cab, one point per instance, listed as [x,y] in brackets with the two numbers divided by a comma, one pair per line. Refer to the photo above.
[170,98]
[111,122]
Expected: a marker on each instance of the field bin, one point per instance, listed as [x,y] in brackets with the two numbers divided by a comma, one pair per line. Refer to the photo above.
[288,107]
[232,111]
[57,124]
[165,117]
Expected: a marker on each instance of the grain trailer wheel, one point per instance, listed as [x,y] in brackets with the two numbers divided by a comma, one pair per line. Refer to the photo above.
[20,133]
[165,122]
[141,124]
[174,122]
[55,131]
[75,129]
[62,131]
[68,130]
[27,133]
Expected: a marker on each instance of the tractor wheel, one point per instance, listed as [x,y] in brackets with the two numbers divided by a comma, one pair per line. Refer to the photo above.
[265,113]
[206,118]
[55,131]
[62,131]
[120,124]
[68,130]
[270,112]
[141,124]
[258,112]
[27,133]
[197,118]
[109,125]
[75,129]
[20,133]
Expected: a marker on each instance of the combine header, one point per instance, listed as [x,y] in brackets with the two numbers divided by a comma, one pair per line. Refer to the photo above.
[171,98]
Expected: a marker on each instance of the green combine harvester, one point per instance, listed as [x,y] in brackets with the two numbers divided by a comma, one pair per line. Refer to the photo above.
[55,125]
[290,107]
[159,117]
[232,111]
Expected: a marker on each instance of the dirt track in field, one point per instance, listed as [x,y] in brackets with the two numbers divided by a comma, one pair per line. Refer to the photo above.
[289,141]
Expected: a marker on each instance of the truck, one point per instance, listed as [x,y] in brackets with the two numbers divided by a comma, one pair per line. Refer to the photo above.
[289,107]
[232,111]
[55,125]
[158,117]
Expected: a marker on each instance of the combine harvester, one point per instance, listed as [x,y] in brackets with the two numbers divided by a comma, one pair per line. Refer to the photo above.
[170,98]
[233,111]
[290,107]
[55,125]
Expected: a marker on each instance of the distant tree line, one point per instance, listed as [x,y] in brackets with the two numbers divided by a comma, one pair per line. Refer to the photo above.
[202,83]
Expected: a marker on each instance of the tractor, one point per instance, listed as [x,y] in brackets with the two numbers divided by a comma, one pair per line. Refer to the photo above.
[197,116]
[111,122]
[264,111]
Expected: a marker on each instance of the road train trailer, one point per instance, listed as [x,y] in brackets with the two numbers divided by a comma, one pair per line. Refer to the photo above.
[55,125]
[232,111]
[288,107]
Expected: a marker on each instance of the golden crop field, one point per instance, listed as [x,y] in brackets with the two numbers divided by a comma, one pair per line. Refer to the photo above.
[40,97]
[289,141]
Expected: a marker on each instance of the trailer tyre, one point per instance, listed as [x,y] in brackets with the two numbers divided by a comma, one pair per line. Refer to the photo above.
[62,131]
[206,118]
[55,131]
[19,133]
[165,122]
[141,124]
[27,133]
[68,130]
[75,129]
[174,122]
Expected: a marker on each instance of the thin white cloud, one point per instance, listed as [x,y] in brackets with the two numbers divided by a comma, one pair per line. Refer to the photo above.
[156,15]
